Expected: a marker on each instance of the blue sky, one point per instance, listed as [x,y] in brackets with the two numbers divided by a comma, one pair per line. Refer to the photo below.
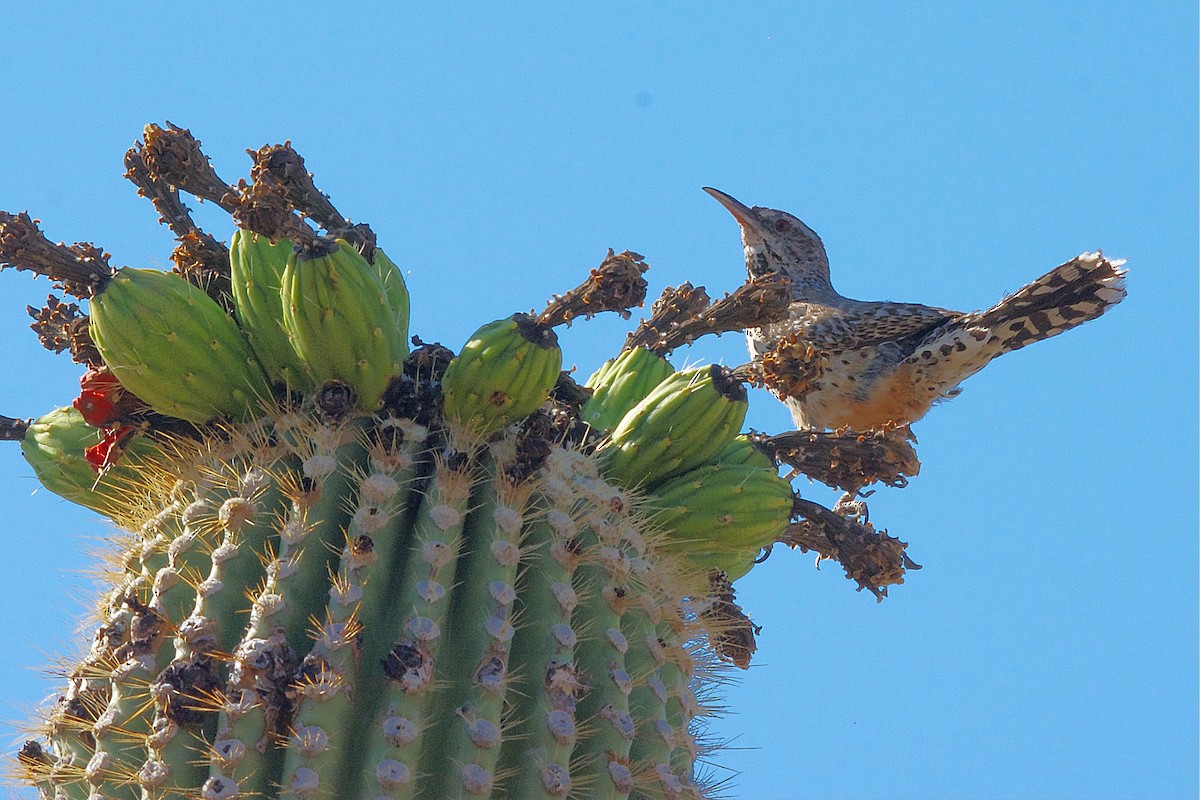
[946,154]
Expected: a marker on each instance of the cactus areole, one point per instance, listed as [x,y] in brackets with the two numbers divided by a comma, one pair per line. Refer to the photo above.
[350,570]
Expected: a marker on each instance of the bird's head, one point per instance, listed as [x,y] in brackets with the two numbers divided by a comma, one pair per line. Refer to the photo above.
[776,241]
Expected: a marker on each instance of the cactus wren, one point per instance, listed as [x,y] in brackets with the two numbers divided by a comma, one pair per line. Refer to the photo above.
[838,362]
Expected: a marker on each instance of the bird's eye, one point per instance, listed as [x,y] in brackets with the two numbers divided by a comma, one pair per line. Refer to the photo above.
[782,225]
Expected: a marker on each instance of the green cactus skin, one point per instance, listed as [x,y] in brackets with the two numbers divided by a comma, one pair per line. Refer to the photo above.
[171,345]
[373,546]
[743,450]
[256,267]
[546,612]
[662,669]
[326,456]
[54,445]
[538,754]
[723,508]
[469,711]
[679,675]
[412,664]
[336,311]
[215,625]
[568,588]
[621,383]
[396,290]
[127,726]
[504,372]
[216,542]
[684,422]
[601,655]
[329,457]
[73,739]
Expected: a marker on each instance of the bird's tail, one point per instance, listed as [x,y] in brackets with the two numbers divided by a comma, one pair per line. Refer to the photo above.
[1069,295]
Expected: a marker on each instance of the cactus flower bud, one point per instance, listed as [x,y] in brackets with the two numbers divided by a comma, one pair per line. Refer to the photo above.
[171,345]
[504,372]
[336,311]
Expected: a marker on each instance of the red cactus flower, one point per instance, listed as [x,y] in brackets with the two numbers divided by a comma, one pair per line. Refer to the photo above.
[100,457]
[103,400]
[97,408]
[100,380]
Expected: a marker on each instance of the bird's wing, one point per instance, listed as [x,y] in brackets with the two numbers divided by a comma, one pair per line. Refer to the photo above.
[862,324]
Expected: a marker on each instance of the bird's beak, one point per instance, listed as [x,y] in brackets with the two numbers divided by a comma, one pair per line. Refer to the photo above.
[740,211]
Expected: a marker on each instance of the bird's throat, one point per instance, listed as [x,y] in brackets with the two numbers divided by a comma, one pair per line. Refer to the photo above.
[809,276]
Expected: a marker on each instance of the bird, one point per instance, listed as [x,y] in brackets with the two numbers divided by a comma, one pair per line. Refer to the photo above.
[840,363]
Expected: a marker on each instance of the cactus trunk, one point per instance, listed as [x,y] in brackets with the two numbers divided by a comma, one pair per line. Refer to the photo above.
[482,633]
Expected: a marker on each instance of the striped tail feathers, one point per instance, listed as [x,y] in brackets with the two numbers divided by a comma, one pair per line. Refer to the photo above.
[1066,296]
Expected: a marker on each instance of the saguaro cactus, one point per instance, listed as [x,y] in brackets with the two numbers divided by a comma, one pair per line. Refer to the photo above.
[347,570]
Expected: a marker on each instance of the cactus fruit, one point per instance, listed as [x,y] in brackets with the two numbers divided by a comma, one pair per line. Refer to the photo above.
[56,446]
[743,450]
[621,383]
[171,345]
[684,422]
[256,267]
[338,315]
[734,564]
[504,372]
[396,290]
[723,509]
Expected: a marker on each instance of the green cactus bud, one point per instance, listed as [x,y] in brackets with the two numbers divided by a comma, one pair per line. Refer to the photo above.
[336,311]
[256,267]
[171,345]
[504,372]
[684,422]
[723,507]
[734,563]
[54,446]
[395,289]
[743,450]
[621,383]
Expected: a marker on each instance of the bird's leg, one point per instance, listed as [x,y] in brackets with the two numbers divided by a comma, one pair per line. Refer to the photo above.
[852,508]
